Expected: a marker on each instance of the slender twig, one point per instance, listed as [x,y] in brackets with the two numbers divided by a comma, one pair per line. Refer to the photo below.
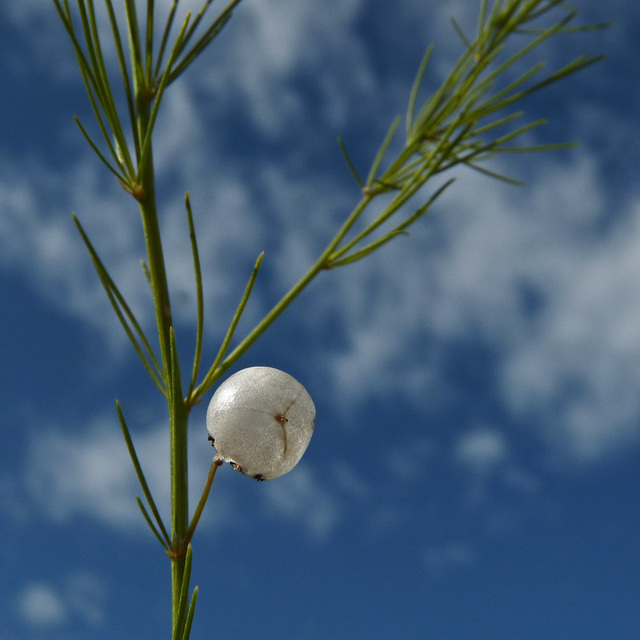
[203,498]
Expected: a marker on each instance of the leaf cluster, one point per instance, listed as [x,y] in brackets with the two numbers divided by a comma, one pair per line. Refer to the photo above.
[144,77]
[459,123]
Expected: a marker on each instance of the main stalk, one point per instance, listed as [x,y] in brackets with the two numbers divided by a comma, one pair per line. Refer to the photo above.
[178,416]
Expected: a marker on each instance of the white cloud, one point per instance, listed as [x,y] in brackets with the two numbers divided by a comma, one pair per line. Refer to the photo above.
[87,473]
[79,595]
[267,50]
[90,473]
[580,363]
[481,450]
[41,605]
[541,275]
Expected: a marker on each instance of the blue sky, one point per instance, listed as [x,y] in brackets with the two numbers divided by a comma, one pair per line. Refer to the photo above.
[475,470]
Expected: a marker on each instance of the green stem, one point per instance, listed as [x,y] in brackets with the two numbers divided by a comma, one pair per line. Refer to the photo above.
[178,417]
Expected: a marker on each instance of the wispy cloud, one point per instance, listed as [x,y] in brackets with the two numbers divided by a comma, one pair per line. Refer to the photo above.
[51,605]
[90,474]
[543,276]
[41,605]
[304,498]
[481,450]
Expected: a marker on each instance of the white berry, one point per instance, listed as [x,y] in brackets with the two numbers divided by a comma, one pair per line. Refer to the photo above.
[261,420]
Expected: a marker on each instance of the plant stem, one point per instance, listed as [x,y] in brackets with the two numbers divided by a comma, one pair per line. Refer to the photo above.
[178,417]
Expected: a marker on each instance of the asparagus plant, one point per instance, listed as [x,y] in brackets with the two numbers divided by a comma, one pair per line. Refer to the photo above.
[261,420]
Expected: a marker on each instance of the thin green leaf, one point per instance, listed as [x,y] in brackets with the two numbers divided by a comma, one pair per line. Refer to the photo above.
[494,174]
[85,67]
[573,67]
[336,258]
[199,47]
[102,85]
[413,96]
[165,37]
[155,531]
[184,597]
[371,178]
[148,44]
[365,251]
[482,17]
[421,211]
[199,297]
[105,132]
[212,374]
[504,20]
[91,83]
[512,60]
[146,144]
[127,88]
[122,309]
[140,474]
[133,34]
[495,10]
[214,29]
[550,5]
[349,163]
[441,106]
[506,96]
[147,274]
[460,32]
[95,48]
[121,178]
[175,380]
[496,123]
[194,25]
[491,148]
[190,614]
[499,142]
[91,49]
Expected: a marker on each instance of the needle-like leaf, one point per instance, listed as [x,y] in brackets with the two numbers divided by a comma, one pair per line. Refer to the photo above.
[190,614]
[141,478]
[213,372]
[199,297]
[183,607]
[125,315]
